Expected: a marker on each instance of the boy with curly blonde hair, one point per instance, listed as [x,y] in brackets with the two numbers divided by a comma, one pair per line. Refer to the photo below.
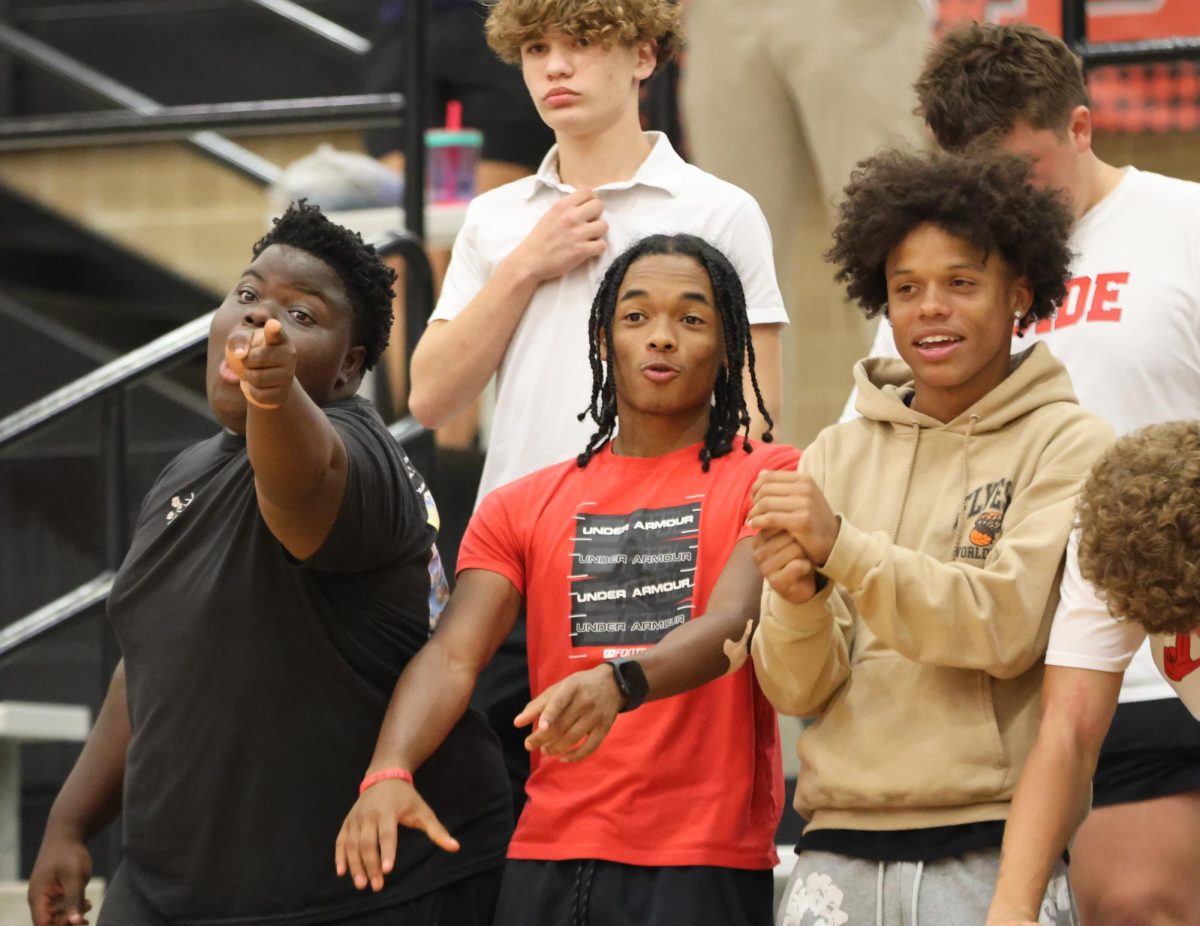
[527,261]
[1138,546]
[1139,543]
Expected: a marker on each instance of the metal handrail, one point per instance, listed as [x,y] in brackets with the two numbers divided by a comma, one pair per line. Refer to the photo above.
[180,122]
[107,384]
[73,604]
[126,370]
[1142,51]
[99,85]
[339,37]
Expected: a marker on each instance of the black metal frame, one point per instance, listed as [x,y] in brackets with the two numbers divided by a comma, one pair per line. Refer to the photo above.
[109,385]
[1098,54]
[180,122]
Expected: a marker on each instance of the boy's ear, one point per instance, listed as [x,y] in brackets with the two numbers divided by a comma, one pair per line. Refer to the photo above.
[602,346]
[351,365]
[647,59]
[1021,294]
[1079,128]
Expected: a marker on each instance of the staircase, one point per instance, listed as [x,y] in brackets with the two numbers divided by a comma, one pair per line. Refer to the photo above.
[103,248]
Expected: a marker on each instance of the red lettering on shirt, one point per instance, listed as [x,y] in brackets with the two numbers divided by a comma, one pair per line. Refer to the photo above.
[1073,305]
[1102,309]
[1178,663]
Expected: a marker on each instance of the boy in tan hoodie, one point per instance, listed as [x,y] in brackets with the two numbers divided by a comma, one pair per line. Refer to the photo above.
[913,560]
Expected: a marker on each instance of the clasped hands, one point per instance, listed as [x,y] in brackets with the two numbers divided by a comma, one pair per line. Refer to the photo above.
[796,532]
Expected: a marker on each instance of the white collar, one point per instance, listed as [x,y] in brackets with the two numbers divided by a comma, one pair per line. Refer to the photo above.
[661,169]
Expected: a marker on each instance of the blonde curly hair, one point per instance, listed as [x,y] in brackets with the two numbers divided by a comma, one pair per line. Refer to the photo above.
[512,23]
[1139,516]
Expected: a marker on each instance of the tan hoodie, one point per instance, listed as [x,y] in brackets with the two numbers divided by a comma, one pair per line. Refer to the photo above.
[922,657]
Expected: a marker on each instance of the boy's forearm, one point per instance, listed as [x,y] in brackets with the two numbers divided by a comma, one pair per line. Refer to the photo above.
[430,698]
[801,657]
[1049,803]
[292,449]
[435,688]
[696,653]
[455,359]
[703,649]
[91,796]
[1055,788]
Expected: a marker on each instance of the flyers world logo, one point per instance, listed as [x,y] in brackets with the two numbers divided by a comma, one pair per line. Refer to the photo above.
[984,510]
[987,528]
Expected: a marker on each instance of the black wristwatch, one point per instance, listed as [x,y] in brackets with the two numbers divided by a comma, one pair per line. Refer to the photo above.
[631,682]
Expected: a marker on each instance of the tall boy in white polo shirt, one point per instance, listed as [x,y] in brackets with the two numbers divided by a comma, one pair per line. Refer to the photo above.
[530,256]
[526,264]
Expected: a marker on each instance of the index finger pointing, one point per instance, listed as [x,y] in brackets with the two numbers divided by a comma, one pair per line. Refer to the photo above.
[273,332]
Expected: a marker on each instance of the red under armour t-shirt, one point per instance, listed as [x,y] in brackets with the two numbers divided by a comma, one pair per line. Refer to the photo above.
[610,558]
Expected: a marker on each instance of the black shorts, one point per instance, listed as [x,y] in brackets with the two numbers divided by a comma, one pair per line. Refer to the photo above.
[1152,750]
[597,893]
[462,67]
[470,901]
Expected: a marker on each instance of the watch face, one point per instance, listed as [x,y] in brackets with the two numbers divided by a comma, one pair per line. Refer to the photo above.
[632,681]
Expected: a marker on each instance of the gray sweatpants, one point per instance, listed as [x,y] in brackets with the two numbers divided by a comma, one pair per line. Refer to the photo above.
[827,889]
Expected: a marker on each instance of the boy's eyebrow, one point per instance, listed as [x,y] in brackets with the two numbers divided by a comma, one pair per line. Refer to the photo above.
[695,296]
[311,289]
[961,265]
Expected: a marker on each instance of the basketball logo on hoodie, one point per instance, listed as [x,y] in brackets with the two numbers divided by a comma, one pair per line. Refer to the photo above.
[985,507]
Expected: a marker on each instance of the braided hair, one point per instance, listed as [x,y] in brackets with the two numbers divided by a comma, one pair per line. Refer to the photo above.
[728,414]
[368,280]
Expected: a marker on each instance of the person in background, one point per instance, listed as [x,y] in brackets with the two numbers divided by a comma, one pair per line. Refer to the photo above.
[1138,545]
[783,99]
[493,99]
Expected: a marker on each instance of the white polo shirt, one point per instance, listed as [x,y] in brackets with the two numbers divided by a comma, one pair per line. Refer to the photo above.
[1085,636]
[544,380]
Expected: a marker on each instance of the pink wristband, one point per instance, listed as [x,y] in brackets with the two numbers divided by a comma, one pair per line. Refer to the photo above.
[385,775]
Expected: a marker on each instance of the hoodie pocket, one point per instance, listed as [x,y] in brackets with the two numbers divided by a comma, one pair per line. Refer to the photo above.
[904,735]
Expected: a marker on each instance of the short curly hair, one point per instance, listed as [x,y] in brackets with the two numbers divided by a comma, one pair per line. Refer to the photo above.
[1139,520]
[986,201]
[512,23]
[368,280]
[981,78]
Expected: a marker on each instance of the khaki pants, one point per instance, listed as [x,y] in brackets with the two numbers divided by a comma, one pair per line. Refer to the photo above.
[783,98]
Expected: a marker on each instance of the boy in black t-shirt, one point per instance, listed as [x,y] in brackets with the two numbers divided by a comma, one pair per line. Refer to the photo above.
[278,581]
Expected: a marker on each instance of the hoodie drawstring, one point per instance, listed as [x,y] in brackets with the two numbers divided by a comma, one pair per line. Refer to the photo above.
[966,484]
[912,462]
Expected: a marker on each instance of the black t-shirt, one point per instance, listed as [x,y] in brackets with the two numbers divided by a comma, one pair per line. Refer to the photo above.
[922,845]
[257,685]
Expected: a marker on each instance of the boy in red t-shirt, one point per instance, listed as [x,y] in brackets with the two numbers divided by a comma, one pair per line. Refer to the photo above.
[635,567]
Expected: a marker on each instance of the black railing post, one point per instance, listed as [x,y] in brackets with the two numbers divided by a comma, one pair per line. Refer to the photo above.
[418,284]
[416,105]
[1074,25]
[7,67]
